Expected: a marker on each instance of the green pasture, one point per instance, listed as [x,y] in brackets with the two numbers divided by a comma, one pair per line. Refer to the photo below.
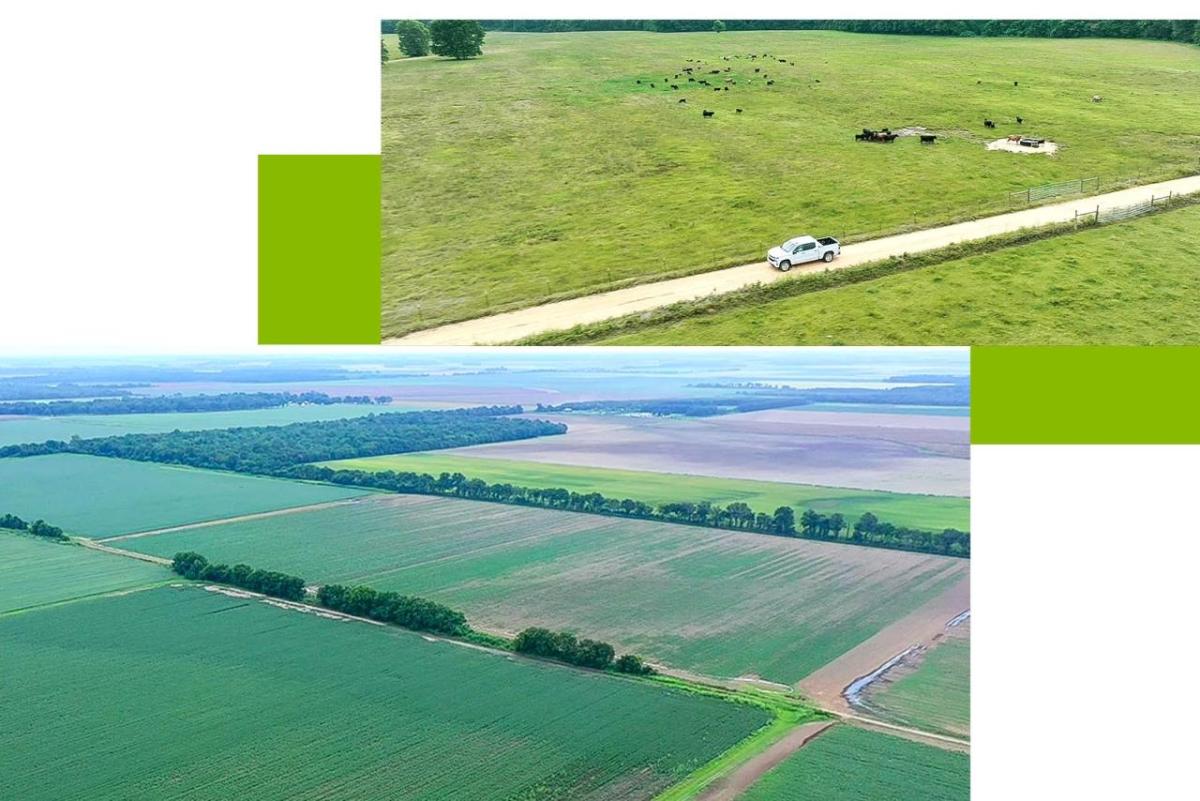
[848,764]
[178,693]
[543,169]
[936,696]
[715,602]
[35,571]
[919,511]
[20,430]
[98,497]
[1132,283]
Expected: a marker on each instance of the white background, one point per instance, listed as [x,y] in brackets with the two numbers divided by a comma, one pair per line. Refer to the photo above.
[128,142]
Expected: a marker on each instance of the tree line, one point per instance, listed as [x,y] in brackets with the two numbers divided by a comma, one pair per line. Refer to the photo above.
[742,398]
[39,528]
[160,404]
[192,565]
[452,38]
[1166,30]
[565,647]
[271,450]
[406,611]
[737,516]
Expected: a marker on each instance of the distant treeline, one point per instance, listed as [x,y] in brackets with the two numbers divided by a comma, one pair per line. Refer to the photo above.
[1167,30]
[159,404]
[738,516]
[24,389]
[406,611]
[272,449]
[759,398]
[38,528]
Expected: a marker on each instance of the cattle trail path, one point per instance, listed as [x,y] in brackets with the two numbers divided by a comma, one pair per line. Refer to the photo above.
[512,326]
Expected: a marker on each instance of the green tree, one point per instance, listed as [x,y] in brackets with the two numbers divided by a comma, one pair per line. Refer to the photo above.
[718,26]
[414,37]
[383,51]
[784,521]
[457,38]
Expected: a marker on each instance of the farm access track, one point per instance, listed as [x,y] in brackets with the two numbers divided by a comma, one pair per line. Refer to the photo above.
[561,315]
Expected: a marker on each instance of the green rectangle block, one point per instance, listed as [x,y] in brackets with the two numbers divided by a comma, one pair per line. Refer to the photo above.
[1085,395]
[318,250]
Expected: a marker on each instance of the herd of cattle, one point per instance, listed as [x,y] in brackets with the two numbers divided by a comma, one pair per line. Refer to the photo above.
[701,75]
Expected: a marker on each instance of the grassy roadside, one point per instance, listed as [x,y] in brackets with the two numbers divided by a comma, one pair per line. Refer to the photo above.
[789,713]
[739,317]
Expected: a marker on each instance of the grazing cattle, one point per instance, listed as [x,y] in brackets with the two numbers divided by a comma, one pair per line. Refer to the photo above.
[708,113]
[683,100]
[738,110]
[1014,83]
[673,86]
[691,80]
[978,82]
[758,69]
[1096,98]
[651,86]
[818,80]
[714,72]
[639,81]
[726,88]
[770,83]
[1014,138]
[861,137]
[989,124]
[716,88]
[687,69]
[1020,120]
[928,139]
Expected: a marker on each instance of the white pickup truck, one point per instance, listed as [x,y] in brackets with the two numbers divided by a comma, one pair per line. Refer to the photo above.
[802,249]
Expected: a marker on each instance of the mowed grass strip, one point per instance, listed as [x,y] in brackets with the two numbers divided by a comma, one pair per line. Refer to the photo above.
[179,693]
[715,602]
[34,572]
[98,497]
[936,696]
[543,169]
[20,430]
[929,512]
[848,764]
[1133,283]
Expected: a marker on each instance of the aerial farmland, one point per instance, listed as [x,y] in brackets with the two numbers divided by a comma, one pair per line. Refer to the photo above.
[613,159]
[352,609]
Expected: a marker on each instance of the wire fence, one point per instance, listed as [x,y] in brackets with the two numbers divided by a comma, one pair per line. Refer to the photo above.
[1033,194]
[1117,213]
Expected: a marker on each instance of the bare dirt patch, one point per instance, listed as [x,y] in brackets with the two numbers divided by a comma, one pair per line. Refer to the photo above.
[1009,146]
[898,453]
[734,784]
[917,629]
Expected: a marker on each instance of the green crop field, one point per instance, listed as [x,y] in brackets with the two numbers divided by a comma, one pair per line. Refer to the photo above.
[921,511]
[1132,283]
[35,571]
[96,497]
[849,764]
[936,696]
[18,430]
[178,693]
[720,603]
[543,169]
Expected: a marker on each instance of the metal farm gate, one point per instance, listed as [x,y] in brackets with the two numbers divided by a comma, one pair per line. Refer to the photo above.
[1035,193]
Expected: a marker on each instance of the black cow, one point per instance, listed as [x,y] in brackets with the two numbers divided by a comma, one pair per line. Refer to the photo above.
[1014,83]
[770,83]
[683,100]
[673,86]
[989,124]
[928,139]
[738,110]
[1020,120]
[708,113]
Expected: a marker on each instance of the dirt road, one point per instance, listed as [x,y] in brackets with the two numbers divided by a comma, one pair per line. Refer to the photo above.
[825,685]
[239,518]
[511,326]
[729,787]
